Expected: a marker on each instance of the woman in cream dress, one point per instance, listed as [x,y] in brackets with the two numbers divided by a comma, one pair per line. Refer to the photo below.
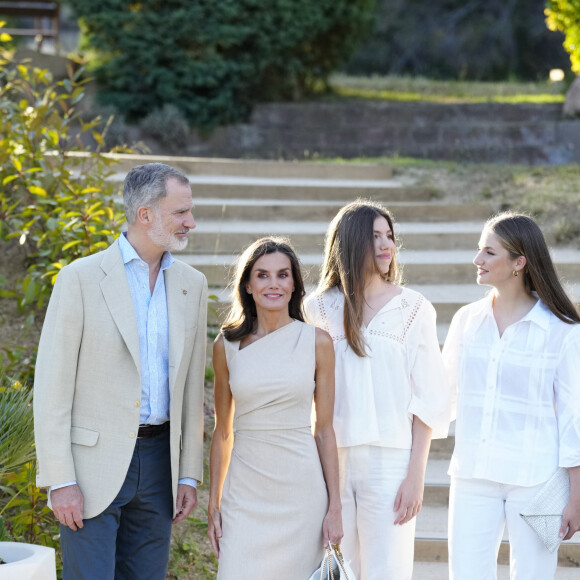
[274,499]
[391,392]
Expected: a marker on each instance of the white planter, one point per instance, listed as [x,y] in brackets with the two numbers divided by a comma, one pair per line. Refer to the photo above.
[27,562]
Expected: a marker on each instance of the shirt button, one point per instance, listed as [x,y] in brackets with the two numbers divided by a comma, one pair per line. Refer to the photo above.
[132,435]
[137,403]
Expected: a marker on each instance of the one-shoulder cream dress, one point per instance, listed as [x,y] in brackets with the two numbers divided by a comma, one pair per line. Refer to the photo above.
[274,496]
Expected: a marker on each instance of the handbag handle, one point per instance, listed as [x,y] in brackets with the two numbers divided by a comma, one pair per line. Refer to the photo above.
[335,550]
[328,562]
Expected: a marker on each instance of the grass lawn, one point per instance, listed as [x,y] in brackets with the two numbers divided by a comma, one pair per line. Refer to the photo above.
[550,194]
[393,88]
[191,556]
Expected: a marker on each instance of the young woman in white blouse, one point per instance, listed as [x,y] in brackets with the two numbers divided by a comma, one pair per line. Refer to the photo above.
[514,359]
[391,392]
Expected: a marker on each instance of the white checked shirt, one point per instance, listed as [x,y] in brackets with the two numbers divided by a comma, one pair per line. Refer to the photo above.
[518,407]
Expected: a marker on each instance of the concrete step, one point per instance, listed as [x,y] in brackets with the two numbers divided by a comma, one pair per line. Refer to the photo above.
[258,167]
[445,306]
[441,449]
[437,294]
[432,523]
[222,236]
[420,267]
[449,298]
[311,189]
[437,467]
[284,209]
[432,532]
[435,550]
[456,267]
[218,311]
[442,330]
[440,571]
[241,187]
[436,494]
[446,298]
[437,481]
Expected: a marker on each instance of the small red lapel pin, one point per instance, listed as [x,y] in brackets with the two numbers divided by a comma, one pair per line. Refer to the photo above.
[184,292]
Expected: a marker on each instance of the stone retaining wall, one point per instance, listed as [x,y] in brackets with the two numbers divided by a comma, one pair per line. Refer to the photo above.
[526,133]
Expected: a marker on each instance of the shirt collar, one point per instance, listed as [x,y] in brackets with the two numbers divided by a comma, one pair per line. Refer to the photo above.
[128,253]
[539,313]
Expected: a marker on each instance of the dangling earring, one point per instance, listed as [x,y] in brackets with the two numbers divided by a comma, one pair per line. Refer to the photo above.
[515,273]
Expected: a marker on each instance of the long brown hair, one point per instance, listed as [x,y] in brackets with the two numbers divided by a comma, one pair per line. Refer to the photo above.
[520,236]
[242,313]
[348,245]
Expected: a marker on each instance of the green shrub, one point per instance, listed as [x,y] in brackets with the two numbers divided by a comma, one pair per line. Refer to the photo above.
[4,533]
[169,126]
[564,15]
[16,425]
[26,515]
[55,200]
[112,125]
[214,59]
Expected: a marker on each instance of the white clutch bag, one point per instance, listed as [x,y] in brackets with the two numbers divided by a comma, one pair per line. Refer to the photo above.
[544,513]
[333,566]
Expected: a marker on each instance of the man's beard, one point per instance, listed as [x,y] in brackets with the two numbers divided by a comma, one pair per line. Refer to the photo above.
[166,240]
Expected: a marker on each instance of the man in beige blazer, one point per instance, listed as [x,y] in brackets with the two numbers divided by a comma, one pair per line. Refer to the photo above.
[118,390]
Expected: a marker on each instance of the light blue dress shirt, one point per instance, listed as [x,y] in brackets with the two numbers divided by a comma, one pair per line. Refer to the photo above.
[153,327]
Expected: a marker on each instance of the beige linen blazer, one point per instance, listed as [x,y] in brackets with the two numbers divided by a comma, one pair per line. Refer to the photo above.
[87,386]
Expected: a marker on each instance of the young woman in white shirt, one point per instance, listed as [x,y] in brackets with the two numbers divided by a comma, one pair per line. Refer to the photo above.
[391,393]
[513,358]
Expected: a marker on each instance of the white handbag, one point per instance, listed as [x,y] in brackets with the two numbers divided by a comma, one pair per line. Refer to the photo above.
[544,513]
[333,566]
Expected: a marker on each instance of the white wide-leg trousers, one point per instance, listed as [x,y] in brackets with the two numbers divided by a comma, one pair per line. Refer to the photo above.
[370,478]
[478,511]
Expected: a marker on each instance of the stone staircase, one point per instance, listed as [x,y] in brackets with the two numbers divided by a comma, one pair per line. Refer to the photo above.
[239,201]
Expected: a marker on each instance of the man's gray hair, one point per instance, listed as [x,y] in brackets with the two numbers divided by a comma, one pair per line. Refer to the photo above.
[145,185]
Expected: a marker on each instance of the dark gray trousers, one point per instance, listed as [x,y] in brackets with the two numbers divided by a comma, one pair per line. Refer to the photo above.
[130,539]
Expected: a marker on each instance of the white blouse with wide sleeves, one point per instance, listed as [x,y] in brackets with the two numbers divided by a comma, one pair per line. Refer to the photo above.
[377,395]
